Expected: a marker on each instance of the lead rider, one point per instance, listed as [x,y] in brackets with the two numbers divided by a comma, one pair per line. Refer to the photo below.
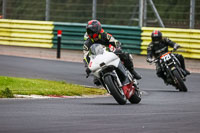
[95,34]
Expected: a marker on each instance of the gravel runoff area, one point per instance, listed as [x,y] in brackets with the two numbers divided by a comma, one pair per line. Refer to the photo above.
[193,65]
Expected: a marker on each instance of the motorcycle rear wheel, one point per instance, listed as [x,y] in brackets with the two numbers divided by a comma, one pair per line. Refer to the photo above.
[136,98]
[115,90]
[180,84]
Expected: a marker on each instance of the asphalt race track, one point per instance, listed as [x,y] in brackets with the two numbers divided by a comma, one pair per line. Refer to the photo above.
[162,109]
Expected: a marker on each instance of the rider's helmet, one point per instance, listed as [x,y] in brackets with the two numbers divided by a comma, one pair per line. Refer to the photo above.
[93,28]
[156,37]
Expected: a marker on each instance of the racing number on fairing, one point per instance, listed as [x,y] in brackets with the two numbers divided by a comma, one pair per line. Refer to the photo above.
[166,57]
[90,65]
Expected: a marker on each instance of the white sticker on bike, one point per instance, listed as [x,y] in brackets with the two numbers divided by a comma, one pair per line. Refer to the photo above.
[166,57]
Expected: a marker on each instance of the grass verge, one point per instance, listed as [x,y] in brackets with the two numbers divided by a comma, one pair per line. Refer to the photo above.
[24,86]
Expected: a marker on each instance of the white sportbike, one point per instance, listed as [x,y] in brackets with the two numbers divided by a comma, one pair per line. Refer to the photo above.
[111,73]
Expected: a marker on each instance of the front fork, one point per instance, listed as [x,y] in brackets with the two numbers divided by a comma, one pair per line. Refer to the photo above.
[169,70]
[115,76]
[118,80]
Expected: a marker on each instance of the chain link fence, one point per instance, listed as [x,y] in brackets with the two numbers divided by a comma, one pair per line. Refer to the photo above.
[174,13]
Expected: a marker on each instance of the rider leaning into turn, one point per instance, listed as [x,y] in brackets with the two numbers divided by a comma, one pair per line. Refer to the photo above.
[158,46]
[95,34]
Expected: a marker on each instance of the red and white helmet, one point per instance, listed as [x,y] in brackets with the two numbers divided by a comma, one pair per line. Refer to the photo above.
[93,28]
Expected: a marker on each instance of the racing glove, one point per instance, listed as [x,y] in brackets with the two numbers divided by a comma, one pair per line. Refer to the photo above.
[87,72]
[176,46]
[150,60]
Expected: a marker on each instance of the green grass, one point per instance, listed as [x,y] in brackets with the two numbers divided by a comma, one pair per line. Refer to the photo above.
[24,86]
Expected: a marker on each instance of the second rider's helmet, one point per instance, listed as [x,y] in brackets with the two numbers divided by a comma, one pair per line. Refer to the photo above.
[93,28]
[156,36]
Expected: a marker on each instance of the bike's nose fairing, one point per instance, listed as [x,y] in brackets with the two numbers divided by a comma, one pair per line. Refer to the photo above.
[105,59]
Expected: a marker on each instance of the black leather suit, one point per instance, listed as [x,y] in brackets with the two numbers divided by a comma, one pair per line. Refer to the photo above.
[156,50]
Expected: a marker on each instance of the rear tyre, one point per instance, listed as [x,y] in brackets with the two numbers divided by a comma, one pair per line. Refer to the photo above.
[115,91]
[180,84]
[136,98]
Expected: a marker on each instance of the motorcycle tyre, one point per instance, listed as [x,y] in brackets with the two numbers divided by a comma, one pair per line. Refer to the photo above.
[112,85]
[136,98]
[181,86]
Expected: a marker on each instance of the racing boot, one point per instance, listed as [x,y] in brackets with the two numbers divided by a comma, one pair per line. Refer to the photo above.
[187,72]
[96,81]
[181,59]
[165,81]
[127,59]
[134,73]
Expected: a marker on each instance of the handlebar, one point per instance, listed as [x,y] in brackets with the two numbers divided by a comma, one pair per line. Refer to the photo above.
[172,51]
[156,60]
[153,61]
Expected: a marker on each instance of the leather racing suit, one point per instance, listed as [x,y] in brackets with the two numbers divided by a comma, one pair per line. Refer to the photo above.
[156,50]
[107,39]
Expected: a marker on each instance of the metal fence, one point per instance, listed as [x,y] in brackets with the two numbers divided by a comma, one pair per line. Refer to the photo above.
[173,13]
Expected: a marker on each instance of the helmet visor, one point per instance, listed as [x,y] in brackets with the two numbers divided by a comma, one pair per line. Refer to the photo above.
[92,34]
[156,40]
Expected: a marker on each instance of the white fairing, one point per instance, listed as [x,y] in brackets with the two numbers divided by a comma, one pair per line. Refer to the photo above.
[107,58]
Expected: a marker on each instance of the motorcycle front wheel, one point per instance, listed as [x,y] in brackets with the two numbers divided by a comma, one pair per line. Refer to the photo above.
[115,91]
[180,84]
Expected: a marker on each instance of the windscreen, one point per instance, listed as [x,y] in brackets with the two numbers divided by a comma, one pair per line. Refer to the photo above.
[96,49]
